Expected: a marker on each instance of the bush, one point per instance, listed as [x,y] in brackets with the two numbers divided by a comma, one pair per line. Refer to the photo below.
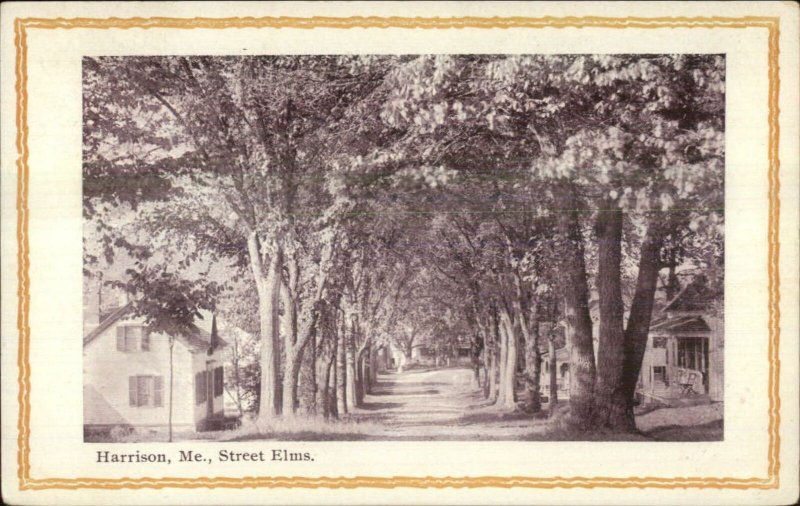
[120,432]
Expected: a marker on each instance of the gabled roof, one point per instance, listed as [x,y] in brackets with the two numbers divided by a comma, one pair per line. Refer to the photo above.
[681,324]
[196,339]
[696,296]
[108,321]
[561,353]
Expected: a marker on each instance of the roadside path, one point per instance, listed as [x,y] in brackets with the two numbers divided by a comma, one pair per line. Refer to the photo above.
[437,404]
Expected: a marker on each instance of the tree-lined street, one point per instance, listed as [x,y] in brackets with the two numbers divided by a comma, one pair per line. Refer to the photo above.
[336,207]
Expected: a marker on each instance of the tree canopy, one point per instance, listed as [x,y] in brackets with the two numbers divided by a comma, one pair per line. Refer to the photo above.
[345,204]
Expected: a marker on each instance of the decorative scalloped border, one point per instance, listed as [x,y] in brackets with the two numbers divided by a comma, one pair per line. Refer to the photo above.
[26,482]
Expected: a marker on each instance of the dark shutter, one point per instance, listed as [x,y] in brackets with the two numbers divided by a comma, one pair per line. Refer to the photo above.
[200,387]
[145,384]
[132,386]
[158,387]
[219,382]
[121,339]
[145,340]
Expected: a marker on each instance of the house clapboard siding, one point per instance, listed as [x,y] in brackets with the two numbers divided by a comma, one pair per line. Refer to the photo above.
[107,384]
[126,373]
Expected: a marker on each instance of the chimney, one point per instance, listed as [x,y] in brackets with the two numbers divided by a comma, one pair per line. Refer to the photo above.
[214,340]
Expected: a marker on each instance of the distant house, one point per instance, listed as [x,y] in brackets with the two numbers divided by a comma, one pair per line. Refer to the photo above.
[683,359]
[562,373]
[127,371]
[558,334]
[423,354]
[684,354]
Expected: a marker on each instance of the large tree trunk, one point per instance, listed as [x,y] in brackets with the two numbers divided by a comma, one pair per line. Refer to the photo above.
[325,367]
[290,380]
[488,346]
[373,368]
[530,332]
[268,285]
[475,360]
[311,371]
[341,369]
[294,346]
[638,327]
[494,358]
[333,388]
[533,369]
[360,378]
[508,362]
[494,373]
[301,324]
[576,302]
[511,367]
[552,366]
[608,388]
[502,360]
[322,399]
[350,374]
[486,381]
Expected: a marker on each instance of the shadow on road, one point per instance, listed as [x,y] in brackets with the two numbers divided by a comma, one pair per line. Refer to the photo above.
[375,406]
[711,431]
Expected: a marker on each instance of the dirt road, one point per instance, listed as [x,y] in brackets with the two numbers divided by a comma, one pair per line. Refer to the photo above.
[444,404]
[437,404]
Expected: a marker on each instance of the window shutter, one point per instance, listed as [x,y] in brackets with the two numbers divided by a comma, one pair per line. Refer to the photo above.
[197,388]
[143,392]
[132,386]
[145,340]
[121,339]
[200,387]
[158,387]
[130,344]
[219,382]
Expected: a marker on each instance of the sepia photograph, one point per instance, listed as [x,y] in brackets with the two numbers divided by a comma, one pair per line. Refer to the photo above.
[459,247]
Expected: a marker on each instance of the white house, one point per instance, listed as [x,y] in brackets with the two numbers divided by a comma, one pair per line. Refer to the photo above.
[131,378]
[683,359]
[685,348]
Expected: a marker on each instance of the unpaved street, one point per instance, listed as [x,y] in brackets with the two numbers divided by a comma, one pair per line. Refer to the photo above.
[438,404]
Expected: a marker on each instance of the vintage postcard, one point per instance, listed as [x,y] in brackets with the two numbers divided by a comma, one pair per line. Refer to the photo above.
[400,253]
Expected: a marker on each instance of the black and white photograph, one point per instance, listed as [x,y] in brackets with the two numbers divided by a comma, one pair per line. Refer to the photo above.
[434,247]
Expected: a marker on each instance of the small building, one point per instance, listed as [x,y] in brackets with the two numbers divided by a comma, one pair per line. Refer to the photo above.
[423,354]
[685,348]
[557,334]
[131,379]
[562,373]
[683,360]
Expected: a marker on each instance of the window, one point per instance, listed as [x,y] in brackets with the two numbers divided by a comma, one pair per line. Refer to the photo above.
[200,387]
[146,391]
[219,381]
[132,338]
[659,342]
[693,353]
[564,370]
[659,373]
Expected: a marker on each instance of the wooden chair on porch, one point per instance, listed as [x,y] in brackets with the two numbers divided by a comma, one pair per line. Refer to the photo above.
[687,380]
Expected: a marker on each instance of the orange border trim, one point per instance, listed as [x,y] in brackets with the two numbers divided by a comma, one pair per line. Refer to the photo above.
[26,482]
